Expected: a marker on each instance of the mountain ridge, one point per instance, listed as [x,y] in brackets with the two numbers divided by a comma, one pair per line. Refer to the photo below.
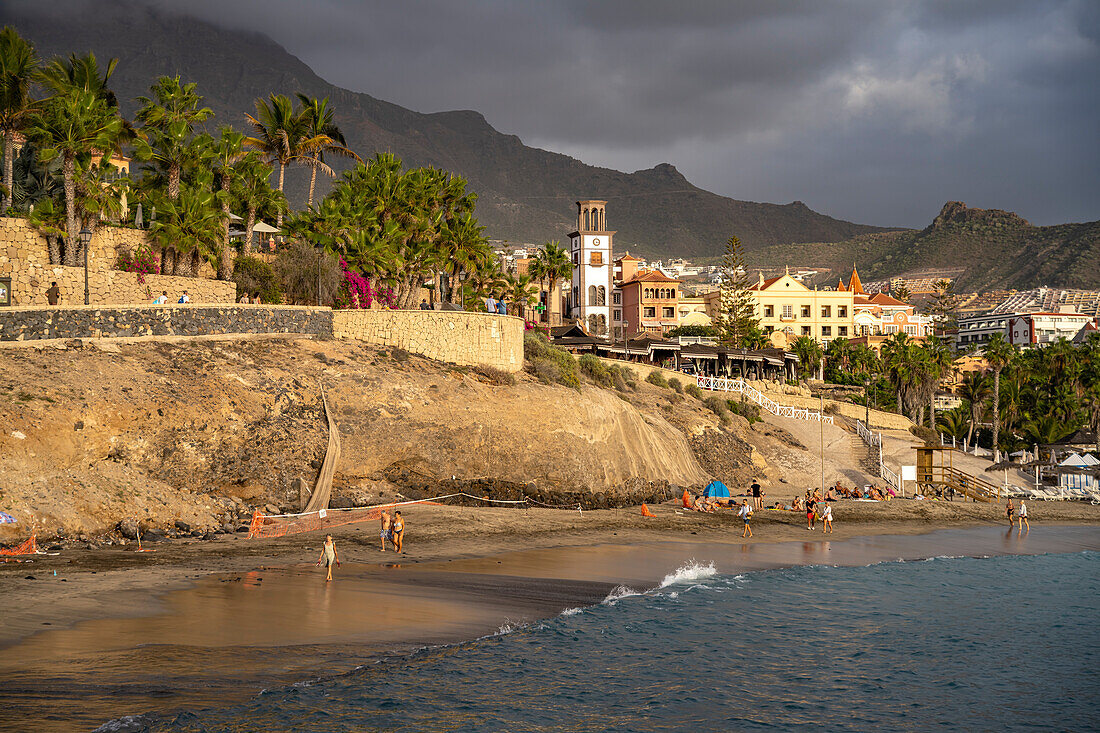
[998,249]
[526,194]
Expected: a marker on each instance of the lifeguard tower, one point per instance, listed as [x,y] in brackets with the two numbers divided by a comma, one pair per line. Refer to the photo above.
[936,473]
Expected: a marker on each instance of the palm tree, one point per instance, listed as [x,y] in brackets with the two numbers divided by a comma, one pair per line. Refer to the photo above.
[953,422]
[321,136]
[251,189]
[168,122]
[72,125]
[557,266]
[190,224]
[998,354]
[279,132]
[899,359]
[518,292]
[18,63]
[809,355]
[80,72]
[974,390]
[938,363]
[226,152]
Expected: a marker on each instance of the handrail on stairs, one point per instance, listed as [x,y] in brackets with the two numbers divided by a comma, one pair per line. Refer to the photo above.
[726,384]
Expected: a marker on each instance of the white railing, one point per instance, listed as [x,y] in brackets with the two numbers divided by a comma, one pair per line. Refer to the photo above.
[874,440]
[725,384]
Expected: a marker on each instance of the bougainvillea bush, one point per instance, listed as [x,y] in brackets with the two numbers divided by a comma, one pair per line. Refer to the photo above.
[142,260]
[357,292]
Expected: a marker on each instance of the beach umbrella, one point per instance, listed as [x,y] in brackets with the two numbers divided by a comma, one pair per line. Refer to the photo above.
[234,217]
[264,228]
[139,221]
[6,518]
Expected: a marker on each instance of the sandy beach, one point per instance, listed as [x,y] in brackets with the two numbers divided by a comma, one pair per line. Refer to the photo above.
[195,623]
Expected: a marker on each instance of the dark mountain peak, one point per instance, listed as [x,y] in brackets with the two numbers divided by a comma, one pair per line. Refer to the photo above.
[525,194]
[665,171]
[956,213]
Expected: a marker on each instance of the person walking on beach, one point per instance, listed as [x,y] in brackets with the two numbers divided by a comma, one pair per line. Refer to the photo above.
[398,532]
[387,531]
[1010,512]
[811,515]
[827,519]
[329,555]
[745,513]
[1023,517]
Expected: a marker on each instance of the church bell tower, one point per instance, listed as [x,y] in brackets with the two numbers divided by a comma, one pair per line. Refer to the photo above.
[590,249]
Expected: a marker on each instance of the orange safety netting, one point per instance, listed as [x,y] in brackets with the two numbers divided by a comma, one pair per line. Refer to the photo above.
[29,547]
[279,525]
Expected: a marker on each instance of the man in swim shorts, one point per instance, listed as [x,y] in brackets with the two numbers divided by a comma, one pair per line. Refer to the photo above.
[745,513]
[386,533]
[810,513]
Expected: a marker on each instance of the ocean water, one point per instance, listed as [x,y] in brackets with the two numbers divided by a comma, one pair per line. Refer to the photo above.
[992,644]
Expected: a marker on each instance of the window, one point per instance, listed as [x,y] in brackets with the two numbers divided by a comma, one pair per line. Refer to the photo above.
[842,311]
[601,324]
[596,258]
[805,330]
[842,331]
[769,311]
[576,258]
[805,311]
[891,329]
[601,295]
[911,330]
[668,313]
[649,312]
[826,331]
[826,311]
[788,311]
[617,297]
[617,315]
[592,295]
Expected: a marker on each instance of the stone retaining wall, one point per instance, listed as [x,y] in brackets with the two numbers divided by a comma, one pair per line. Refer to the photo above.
[25,258]
[36,322]
[456,337]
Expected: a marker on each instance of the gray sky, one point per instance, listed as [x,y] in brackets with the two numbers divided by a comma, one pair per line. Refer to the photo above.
[873,111]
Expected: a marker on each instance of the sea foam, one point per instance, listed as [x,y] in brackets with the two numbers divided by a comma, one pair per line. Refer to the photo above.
[690,571]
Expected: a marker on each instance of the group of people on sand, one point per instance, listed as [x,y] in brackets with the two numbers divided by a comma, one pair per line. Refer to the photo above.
[393,530]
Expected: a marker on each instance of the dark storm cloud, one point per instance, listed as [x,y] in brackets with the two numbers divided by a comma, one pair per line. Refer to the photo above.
[870,110]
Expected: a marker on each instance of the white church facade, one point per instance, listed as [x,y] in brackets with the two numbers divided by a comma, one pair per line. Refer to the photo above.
[590,249]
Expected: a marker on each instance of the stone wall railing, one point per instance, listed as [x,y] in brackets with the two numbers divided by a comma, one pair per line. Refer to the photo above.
[456,337]
[92,321]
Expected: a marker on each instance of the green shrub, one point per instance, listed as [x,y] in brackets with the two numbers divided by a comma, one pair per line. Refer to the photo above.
[549,363]
[675,384]
[717,405]
[624,378]
[746,410]
[656,379]
[252,275]
[399,355]
[694,391]
[596,370]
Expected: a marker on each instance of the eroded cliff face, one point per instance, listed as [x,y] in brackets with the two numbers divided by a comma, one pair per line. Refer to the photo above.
[204,432]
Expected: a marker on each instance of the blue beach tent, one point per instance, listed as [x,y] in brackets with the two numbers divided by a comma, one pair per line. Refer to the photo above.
[716,490]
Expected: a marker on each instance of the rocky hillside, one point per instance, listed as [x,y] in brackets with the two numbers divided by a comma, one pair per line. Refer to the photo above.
[203,433]
[526,194]
[998,249]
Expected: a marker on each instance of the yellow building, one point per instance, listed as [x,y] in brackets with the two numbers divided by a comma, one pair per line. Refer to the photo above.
[787,309]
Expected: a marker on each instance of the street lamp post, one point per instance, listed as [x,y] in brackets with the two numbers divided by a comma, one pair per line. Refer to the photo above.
[867,402]
[86,241]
